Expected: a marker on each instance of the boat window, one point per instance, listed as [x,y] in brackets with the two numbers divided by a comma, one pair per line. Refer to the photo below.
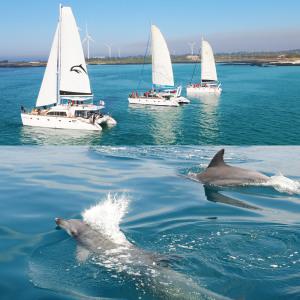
[85,113]
[80,113]
[57,113]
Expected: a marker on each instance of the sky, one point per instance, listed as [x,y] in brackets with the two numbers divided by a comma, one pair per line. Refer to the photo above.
[27,26]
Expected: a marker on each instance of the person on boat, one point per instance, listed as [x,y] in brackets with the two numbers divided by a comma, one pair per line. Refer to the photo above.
[93,118]
[23,109]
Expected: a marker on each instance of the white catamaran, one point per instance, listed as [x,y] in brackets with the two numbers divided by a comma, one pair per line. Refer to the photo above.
[65,99]
[163,92]
[209,80]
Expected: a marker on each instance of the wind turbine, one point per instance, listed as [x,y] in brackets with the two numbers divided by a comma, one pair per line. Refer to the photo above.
[87,40]
[192,44]
[119,52]
[109,49]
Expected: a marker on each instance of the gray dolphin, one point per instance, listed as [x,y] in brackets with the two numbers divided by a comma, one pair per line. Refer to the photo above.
[218,173]
[147,268]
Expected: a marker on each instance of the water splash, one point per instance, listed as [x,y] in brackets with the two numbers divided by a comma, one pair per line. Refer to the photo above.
[107,215]
[283,184]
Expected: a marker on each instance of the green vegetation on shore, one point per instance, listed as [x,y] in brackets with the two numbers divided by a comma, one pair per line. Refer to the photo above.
[256,58]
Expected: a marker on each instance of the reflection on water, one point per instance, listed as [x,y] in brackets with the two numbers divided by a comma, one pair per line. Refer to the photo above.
[215,195]
[208,115]
[50,136]
[165,122]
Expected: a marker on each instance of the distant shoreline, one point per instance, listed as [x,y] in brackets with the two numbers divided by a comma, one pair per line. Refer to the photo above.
[251,60]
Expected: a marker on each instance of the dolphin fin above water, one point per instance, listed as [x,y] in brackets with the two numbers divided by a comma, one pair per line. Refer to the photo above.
[218,159]
[219,173]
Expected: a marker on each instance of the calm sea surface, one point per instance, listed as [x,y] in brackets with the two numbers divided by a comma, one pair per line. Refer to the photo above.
[242,243]
[259,106]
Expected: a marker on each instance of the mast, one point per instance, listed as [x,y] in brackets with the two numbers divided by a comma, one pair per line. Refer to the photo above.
[59,56]
[201,58]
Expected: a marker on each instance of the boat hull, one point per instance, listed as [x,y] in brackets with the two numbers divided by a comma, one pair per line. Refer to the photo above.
[58,122]
[183,100]
[154,101]
[107,120]
[190,90]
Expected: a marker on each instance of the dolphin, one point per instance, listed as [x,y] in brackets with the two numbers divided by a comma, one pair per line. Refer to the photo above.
[218,173]
[148,269]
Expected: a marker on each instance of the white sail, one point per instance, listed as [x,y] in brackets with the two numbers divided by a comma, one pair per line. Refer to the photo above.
[208,65]
[74,79]
[162,72]
[48,90]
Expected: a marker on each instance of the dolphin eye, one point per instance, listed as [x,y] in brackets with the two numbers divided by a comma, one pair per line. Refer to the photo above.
[73,232]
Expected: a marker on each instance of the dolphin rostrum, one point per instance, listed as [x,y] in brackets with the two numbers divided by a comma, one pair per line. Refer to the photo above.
[218,173]
[151,272]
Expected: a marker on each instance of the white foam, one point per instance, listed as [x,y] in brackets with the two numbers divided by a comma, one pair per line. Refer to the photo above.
[283,184]
[107,215]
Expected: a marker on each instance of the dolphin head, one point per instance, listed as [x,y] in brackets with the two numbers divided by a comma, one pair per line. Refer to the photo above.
[72,226]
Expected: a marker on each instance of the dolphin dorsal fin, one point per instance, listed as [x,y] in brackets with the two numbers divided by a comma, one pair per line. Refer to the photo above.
[218,159]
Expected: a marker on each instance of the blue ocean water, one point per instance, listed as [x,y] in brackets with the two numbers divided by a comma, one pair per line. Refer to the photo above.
[259,106]
[242,243]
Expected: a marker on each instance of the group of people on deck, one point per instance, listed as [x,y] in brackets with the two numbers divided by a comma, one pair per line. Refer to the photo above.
[73,102]
[151,93]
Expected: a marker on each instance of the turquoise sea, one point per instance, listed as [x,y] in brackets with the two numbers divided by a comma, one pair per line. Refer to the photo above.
[259,106]
[242,243]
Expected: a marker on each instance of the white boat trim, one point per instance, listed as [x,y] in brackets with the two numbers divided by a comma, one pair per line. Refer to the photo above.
[199,89]
[153,101]
[67,115]
[58,122]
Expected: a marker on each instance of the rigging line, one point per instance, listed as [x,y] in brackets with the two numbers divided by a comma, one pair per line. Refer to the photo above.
[143,67]
[195,66]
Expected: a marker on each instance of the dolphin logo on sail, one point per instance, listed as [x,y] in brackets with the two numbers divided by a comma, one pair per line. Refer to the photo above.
[78,69]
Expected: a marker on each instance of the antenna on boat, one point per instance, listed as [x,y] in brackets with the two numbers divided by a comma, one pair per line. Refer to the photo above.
[87,40]
[192,44]
[108,46]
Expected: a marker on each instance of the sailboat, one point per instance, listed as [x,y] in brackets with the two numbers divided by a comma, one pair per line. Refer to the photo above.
[65,98]
[163,92]
[209,80]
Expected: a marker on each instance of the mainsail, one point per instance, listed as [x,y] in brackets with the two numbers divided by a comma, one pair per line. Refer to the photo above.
[208,65]
[162,72]
[74,79]
[66,65]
